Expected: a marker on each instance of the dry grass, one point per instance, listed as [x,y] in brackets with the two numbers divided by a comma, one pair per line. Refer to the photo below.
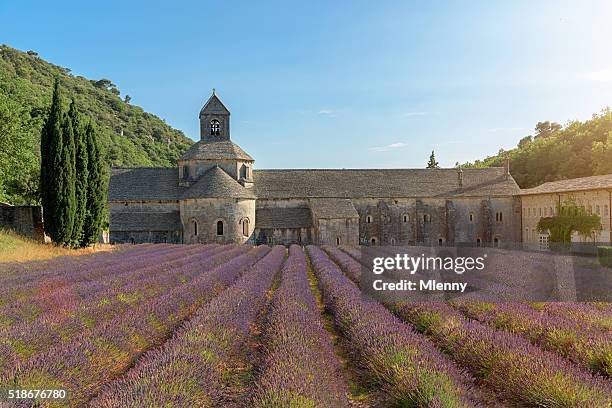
[16,248]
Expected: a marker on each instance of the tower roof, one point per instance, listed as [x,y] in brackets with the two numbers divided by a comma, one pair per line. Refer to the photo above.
[214,106]
[215,150]
[216,183]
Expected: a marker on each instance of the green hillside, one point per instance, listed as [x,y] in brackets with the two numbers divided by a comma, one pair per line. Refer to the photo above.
[129,135]
[556,152]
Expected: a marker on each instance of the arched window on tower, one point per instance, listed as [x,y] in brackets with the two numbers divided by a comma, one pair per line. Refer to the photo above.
[195,227]
[219,227]
[215,127]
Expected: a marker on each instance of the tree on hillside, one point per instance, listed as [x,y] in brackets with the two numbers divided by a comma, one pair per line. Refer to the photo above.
[570,218]
[525,141]
[545,129]
[96,188]
[51,147]
[63,175]
[106,84]
[81,174]
[432,163]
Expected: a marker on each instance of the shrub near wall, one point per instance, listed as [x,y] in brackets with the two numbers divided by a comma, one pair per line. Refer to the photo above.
[604,254]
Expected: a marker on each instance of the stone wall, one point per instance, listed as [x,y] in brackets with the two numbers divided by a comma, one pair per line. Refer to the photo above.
[283,236]
[343,231]
[433,221]
[207,212]
[25,220]
[141,237]
[536,206]
[191,170]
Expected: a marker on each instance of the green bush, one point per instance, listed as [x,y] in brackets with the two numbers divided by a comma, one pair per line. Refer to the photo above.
[605,255]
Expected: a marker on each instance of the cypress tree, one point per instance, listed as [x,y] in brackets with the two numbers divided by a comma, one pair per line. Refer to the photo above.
[432,163]
[81,175]
[50,146]
[65,185]
[96,188]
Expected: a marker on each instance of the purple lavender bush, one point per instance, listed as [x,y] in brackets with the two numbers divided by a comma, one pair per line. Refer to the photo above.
[192,368]
[407,367]
[80,314]
[82,366]
[300,368]
[511,366]
[575,341]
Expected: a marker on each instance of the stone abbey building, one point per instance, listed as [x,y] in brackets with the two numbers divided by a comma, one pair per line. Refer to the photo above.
[216,195]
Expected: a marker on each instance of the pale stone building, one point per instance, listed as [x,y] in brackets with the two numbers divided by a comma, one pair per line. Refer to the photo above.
[594,194]
[216,195]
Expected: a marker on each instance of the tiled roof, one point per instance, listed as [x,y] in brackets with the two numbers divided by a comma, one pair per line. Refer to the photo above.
[316,183]
[144,183]
[333,208]
[214,105]
[216,183]
[145,221]
[299,217]
[215,150]
[577,184]
[141,184]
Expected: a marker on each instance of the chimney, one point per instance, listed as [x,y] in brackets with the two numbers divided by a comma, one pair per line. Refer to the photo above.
[460,177]
[507,167]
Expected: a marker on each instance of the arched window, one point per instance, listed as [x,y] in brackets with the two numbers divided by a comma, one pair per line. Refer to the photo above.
[244,171]
[471,217]
[496,242]
[440,241]
[478,242]
[337,240]
[185,172]
[392,241]
[245,227]
[373,241]
[406,218]
[219,227]
[195,227]
[369,219]
[215,127]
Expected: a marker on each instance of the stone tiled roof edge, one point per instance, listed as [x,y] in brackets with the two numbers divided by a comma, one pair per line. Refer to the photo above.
[600,182]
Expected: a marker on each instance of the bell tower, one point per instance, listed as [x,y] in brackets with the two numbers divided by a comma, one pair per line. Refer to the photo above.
[214,120]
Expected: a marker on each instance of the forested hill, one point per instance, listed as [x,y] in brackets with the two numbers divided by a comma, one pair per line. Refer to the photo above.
[556,152]
[130,136]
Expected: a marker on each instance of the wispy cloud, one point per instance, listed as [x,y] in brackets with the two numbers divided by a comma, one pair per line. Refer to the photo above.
[408,114]
[392,146]
[604,75]
[327,112]
[505,129]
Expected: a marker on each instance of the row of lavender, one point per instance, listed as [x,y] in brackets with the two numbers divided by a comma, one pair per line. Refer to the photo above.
[191,369]
[509,364]
[15,273]
[581,343]
[408,368]
[79,315]
[32,300]
[83,365]
[42,285]
[299,367]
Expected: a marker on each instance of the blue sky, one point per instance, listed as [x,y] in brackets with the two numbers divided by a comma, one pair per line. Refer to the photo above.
[352,84]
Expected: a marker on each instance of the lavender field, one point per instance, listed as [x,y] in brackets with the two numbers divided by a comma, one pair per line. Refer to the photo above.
[240,326]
